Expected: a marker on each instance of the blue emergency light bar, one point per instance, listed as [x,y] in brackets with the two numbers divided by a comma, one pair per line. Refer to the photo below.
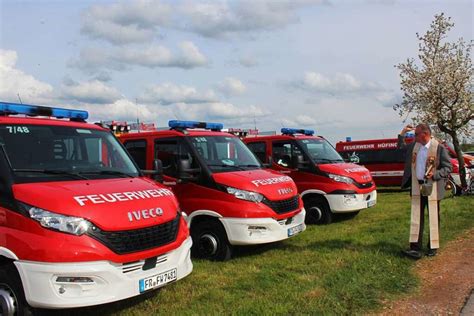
[37,110]
[195,124]
[292,131]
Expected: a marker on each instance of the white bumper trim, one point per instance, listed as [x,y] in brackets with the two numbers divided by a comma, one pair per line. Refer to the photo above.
[239,230]
[337,202]
[111,281]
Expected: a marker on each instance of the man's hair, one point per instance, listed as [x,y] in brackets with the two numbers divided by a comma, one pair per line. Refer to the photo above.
[424,128]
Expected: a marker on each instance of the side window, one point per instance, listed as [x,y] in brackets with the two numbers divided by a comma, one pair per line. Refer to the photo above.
[167,152]
[377,156]
[93,149]
[259,149]
[282,154]
[137,149]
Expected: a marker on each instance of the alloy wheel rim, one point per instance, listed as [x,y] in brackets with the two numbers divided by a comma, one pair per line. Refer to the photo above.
[8,301]
[208,244]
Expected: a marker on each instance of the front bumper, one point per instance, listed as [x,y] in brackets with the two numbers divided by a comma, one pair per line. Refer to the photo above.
[111,281]
[252,231]
[340,203]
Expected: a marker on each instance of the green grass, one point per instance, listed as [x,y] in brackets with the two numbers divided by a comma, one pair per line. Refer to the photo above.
[347,267]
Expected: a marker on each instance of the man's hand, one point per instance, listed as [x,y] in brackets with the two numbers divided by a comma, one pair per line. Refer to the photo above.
[429,175]
[406,129]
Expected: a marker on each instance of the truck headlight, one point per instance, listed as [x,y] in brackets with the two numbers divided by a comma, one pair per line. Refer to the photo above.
[339,178]
[67,224]
[245,195]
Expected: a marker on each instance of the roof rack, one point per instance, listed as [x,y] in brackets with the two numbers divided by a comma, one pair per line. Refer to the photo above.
[7,108]
[293,131]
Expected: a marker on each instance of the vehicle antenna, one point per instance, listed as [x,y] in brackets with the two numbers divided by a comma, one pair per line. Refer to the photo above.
[19,98]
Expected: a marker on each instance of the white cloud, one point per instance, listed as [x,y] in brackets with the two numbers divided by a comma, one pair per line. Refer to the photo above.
[229,114]
[89,92]
[14,81]
[123,23]
[221,19]
[248,61]
[169,93]
[340,82]
[94,59]
[231,86]
[140,21]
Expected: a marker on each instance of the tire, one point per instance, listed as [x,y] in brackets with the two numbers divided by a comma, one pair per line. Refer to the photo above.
[12,296]
[317,211]
[210,241]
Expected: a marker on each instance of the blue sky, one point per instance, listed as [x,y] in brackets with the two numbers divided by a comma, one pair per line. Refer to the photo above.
[323,64]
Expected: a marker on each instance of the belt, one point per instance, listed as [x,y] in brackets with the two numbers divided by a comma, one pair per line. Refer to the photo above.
[421,181]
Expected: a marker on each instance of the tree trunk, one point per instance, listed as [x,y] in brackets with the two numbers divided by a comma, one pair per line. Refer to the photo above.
[462,170]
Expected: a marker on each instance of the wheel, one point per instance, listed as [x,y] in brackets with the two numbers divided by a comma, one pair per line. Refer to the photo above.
[210,241]
[317,211]
[451,188]
[12,296]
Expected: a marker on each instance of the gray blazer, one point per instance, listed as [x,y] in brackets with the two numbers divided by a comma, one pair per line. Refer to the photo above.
[443,169]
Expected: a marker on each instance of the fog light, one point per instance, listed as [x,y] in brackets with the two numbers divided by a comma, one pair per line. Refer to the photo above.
[350,199]
[74,280]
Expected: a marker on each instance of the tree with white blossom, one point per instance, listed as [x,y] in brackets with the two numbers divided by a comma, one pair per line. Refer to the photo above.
[439,89]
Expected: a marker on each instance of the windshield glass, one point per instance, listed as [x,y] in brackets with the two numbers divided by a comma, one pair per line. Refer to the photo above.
[50,153]
[225,153]
[320,150]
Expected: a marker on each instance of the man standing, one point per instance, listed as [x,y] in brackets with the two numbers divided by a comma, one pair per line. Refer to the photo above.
[427,167]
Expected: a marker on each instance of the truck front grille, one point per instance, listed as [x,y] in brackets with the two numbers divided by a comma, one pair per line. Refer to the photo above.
[283,206]
[127,241]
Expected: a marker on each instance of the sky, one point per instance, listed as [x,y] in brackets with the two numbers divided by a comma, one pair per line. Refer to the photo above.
[326,65]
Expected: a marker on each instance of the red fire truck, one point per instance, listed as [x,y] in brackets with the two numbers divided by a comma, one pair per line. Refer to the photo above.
[386,162]
[80,225]
[326,183]
[229,198]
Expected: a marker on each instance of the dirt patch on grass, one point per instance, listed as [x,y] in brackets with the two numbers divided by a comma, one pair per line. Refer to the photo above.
[446,281]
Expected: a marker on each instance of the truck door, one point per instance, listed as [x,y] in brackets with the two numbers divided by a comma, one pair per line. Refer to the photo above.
[170,151]
[285,154]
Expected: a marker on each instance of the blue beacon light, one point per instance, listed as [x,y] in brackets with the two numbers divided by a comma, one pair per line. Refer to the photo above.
[195,124]
[37,110]
[292,131]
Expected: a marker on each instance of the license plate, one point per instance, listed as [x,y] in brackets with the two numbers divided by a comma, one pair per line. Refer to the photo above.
[370,203]
[157,280]
[295,230]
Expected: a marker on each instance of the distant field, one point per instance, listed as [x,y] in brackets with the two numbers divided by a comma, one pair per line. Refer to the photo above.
[344,268]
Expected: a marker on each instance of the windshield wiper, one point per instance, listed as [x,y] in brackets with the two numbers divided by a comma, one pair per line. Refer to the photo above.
[228,166]
[54,172]
[250,166]
[327,160]
[108,172]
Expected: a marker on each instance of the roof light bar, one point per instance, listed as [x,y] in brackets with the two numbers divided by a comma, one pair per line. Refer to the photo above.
[292,131]
[195,124]
[37,110]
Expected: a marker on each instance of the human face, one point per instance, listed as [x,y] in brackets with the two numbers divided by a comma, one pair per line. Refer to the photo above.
[421,137]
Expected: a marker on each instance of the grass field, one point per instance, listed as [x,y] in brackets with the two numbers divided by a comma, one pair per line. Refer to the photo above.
[347,267]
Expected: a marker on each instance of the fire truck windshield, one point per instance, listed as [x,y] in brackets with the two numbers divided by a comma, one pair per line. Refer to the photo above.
[224,153]
[50,153]
[320,151]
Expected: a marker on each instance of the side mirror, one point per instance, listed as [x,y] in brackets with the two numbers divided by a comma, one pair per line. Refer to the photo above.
[157,172]
[185,172]
[158,168]
[299,162]
[269,164]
